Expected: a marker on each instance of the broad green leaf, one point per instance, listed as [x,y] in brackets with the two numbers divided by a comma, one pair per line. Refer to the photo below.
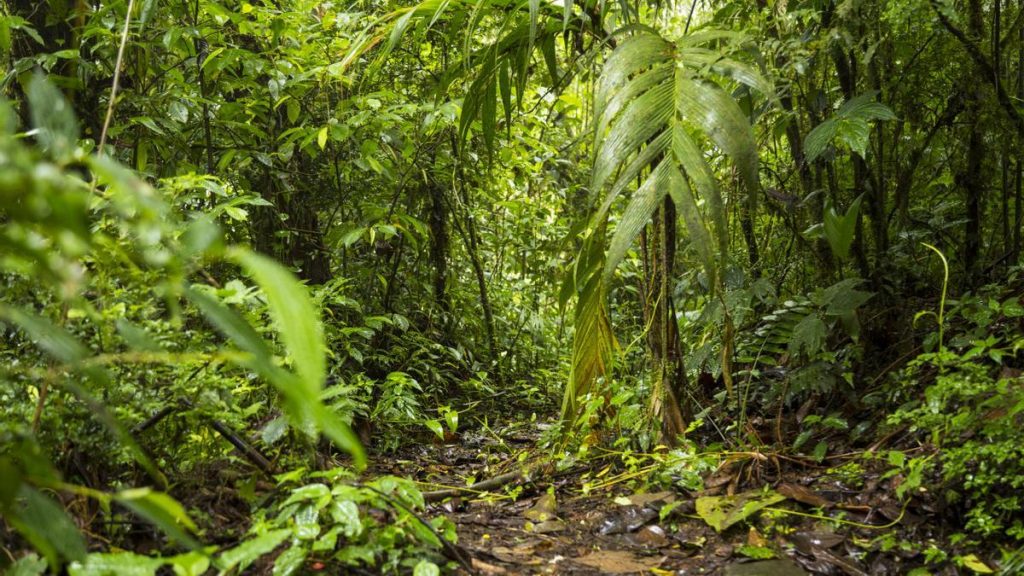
[435,427]
[974,564]
[52,339]
[302,401]
[819,138]
[850,125]
[230,323]
[841,297]
[316,492]
[642,204]
[345,513]
[190,564]
[426,568]
[163,511]
[46,525]
[808,335]
[295,317]
[290,561]
[246,553]
[722,120]
[721,512]
[307,522]
[52,117]
[840,229]
[340,433]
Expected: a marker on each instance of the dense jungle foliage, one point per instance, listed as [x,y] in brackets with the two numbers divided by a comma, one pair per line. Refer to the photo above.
[511,286]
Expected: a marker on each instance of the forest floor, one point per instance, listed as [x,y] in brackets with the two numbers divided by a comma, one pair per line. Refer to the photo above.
[788,517]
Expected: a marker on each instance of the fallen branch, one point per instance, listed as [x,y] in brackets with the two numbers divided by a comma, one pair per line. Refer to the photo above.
[500,481]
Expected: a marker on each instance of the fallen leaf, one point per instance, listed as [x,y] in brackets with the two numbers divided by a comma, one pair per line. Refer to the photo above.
[652,498]
[485,568]
[617,562]
[549,526]
[721,512]
[974,564]
[652,536]
[543,509]
[806,542]
[803,495]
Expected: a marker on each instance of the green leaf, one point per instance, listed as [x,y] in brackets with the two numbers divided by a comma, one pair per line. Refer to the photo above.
[721,512]
[29,565]
[119,564]
[46,525]
[817,141]
[49,337]
[246,553]
[820,450]
[840,229]
[842,297]
[426,568]
[850,125]
[230,323]
[808,336]
[307,522]
[756,552]
[346,515]
[52,116]
[190,564]
[974,564]
[435,427]
[316,492]
[302,401]
[295,317]
[162,511]
[290,561]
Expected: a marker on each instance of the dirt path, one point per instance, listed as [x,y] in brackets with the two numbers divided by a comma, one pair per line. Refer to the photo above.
[775,522]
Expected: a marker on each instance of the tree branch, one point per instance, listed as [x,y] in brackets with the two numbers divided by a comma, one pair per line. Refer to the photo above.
[987,70]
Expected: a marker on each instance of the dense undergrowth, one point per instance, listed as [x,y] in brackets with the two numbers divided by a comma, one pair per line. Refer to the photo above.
[257,257]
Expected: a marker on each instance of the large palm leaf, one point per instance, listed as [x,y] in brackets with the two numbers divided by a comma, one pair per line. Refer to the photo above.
[654,98]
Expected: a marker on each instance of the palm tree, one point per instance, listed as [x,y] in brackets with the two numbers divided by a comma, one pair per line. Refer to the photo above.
[660,106]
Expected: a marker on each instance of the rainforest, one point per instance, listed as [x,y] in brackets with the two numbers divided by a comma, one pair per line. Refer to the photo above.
[485,287]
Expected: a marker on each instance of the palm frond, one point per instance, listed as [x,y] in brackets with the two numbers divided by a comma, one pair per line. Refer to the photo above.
[653,98]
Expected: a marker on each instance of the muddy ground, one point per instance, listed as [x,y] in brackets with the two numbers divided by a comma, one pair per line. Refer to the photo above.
[778,516]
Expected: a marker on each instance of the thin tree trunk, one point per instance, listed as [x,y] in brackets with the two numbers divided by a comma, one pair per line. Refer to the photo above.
[663,336]
[439,249]
[971,176]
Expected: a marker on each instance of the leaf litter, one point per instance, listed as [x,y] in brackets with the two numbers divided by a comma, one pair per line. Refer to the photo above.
[783,522]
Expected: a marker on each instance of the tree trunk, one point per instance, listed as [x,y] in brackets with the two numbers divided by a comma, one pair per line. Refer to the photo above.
[971,176]
[439,249]
[663,335]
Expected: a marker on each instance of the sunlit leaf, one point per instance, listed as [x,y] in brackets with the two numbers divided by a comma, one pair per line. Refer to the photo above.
[721,512]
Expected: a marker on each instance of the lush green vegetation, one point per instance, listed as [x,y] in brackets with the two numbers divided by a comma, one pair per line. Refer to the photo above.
[250,248]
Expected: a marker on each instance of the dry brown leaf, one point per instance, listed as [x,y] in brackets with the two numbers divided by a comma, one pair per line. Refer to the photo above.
[803,495]
[618,562]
